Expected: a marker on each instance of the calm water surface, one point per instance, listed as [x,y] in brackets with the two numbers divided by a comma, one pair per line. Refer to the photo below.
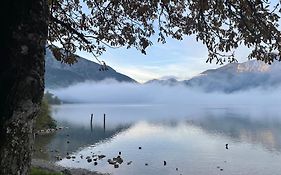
[190,139]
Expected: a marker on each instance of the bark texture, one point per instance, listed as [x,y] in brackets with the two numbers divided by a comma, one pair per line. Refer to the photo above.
[21,80]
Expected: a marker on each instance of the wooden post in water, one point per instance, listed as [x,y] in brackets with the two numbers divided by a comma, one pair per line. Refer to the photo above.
[104,122]
[92,116]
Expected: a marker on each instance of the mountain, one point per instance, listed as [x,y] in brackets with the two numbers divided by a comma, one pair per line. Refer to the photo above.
[238,76]
[168,82]
[59,74]
[232,77]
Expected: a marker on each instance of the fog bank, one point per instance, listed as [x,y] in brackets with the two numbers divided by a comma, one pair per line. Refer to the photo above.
[110,91]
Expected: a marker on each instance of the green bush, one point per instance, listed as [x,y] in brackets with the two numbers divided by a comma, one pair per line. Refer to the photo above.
[44,119]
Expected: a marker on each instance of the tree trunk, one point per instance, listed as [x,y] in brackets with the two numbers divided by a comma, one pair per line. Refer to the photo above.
[21,80]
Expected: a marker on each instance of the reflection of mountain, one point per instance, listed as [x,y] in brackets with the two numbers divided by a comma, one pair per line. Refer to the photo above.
[240,128]
[77,137]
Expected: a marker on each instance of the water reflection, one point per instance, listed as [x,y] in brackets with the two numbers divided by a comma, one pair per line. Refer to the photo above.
[184,147]
[191,141]
[243,128]
[41,142]
[70,139]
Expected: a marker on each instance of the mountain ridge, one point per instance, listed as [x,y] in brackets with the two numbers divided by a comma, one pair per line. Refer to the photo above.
[233,77]
[58,75]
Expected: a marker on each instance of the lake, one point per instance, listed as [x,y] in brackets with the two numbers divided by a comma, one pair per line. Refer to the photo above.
[166,139]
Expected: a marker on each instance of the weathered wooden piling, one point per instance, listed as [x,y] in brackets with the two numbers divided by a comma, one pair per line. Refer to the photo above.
[103,122]
[92,116]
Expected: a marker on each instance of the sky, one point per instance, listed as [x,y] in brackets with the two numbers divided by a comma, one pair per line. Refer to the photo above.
[178,59]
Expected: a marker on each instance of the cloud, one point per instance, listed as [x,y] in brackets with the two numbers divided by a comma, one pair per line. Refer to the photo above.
[110,91]
[141,74]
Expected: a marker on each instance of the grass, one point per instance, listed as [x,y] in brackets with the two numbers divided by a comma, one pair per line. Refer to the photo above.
[38,171]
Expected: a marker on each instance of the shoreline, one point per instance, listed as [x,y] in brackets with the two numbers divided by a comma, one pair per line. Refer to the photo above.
[52,167]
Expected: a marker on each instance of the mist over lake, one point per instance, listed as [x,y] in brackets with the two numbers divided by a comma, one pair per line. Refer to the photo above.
[106,87]
[110,91]
[185,127]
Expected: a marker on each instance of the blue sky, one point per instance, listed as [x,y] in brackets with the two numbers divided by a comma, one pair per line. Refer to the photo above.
[180,59]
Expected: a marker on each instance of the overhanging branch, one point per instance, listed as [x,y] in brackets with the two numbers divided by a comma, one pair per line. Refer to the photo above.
[71,29]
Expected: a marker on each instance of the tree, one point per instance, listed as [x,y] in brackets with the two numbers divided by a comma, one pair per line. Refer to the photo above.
[51,98]
[93,26]
[222,25]
[22,80]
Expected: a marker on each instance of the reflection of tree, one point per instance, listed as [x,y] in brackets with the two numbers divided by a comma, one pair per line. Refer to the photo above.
[241,128]
[41,141]
[77,137]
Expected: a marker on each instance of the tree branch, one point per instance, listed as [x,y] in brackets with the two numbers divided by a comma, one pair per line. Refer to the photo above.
[71,29]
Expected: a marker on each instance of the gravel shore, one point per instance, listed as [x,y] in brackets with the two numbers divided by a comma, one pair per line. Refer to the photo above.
[49,166]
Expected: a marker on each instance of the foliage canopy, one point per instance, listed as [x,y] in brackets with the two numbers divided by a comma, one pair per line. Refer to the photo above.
[222,25]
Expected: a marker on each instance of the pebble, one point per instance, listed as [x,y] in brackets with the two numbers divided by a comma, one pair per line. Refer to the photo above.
[111,162]
[101,156]
[118,159]
[66,172]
